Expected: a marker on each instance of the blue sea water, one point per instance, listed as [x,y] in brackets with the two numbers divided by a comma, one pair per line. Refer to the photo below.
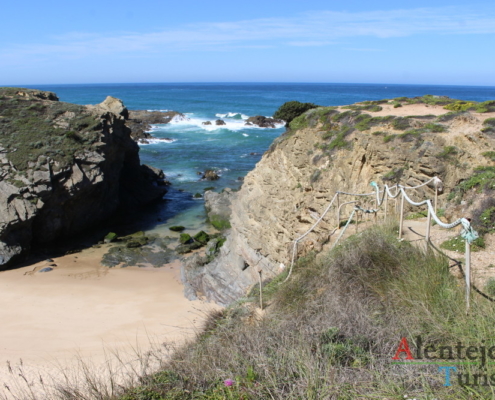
[233,149]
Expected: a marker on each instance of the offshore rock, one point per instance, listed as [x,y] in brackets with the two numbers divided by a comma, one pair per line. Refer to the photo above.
[264,122]
[210,175]
[64,168]
[140,122]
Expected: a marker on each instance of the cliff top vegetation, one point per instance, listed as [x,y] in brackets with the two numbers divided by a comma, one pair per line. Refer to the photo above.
[35,123]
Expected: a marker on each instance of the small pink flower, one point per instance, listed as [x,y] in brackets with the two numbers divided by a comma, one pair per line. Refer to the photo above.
[228,382]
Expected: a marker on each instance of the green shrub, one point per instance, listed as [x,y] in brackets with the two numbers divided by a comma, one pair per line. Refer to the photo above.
[489,126]
[458,244]
[401,123]
[487,221]
[366,107]
[450,116]
[339,142]
[299,122]
[411,134]
[490,287]
[489,122]
[345,115]
[434,127]
[486,106]
[447,153]
[489,154]
[389,138]
[416,215]
[483,178]
[461,105]
[362,122]
[291,110]
[393,175]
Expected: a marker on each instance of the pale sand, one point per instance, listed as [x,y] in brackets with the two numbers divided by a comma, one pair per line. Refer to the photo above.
[81,309]
[415,109]
[409,109]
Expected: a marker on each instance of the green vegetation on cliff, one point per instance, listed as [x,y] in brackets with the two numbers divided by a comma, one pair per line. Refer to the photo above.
[291,110]
[31,127]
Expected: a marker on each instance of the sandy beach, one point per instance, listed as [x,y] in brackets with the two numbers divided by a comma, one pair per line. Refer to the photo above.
[81,310]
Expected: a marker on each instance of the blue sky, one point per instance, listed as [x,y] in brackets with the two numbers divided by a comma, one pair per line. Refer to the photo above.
[379,41]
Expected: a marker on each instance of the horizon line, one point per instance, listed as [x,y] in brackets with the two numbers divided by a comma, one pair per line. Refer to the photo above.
[238,83]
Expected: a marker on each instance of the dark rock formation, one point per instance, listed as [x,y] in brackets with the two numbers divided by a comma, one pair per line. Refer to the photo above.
[220,122]
[206,123]
[140,122]
[139,250]
[210,175]
[263,122]
[64,168]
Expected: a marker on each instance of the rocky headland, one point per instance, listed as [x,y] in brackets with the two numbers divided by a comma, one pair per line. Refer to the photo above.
[345,148]
[65,168]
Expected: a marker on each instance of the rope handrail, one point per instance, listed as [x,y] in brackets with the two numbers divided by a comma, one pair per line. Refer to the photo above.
[468,233]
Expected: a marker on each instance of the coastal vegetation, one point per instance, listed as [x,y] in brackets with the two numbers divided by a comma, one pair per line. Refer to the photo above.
[331,332]
[30,129]
[291,110]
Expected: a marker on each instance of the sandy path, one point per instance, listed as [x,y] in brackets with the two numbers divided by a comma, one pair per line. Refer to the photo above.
[481,261]
[82,308]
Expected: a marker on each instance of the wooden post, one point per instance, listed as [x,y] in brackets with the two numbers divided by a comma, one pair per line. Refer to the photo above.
[261,290]
[428,225]
[386,205]
[468,275]
[376,207]
[436,198]
[338,210]
[401,221]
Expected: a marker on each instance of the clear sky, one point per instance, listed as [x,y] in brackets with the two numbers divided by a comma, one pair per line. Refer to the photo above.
[355,41]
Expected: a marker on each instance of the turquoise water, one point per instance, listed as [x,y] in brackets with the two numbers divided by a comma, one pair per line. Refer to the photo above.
[233,149]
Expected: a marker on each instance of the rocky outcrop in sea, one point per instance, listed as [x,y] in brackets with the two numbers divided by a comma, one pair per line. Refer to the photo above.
[140,122]
[65,168]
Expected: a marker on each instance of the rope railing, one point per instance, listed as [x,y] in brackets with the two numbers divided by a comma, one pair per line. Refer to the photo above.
[381,196]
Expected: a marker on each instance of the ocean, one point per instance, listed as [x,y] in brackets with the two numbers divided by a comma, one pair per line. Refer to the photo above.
[233,149]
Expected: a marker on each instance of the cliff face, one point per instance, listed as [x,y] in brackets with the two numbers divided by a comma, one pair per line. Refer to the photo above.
[64,168]
[330,149]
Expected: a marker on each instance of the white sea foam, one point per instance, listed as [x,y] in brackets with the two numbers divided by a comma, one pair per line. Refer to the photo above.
[189,120]
[159,110]
[144,142]
[245,134]
[233,115]
[179,118]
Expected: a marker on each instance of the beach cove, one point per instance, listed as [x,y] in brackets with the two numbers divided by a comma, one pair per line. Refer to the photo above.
[80,307]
